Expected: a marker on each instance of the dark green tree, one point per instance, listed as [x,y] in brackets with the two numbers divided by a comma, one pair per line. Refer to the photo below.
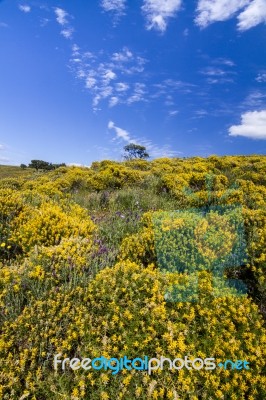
[39,164]
[135,151]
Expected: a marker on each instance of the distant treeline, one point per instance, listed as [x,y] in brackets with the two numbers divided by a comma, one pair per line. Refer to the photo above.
[40,164]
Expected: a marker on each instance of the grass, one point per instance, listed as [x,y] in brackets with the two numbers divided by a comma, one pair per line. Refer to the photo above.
[11,171]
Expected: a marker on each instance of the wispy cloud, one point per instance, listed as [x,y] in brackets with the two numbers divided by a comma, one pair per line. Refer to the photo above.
[138,93]
[209,11]
[73,164]
[200,113]
[104,75]
[62,18]
[102,152]
[154,150]
[44,22]
[3,25]
[218,75]
[158,12]
[168,86]
[253,125]
[224,61]
[173,113]
[117,7]
[67,32]
[121,87]
[120,133]
[253,12]
[24,8]
[256,99]
[210,71]
[261,77]
[113,101]
[124,56]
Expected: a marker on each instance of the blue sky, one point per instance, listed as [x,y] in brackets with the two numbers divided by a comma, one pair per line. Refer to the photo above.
[81,79]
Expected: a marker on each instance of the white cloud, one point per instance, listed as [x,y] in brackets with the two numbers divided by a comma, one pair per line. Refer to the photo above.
[104,76]
[44,22]
[111,125]
[157,12]
[113,101]
[24,8]
[169,101]
[3,25]
[253,125]
[153,150]
[2,147]
[90,82]
[254,14]
[124,56]
[201,113]
[261,77]
[115,6]
[75,50]
[96,101]
[255,100]
[121,87]
[156,151]
[173,113]
[81,74]
[67,33]
[210,11]
[124,59]
[61,16]
[217,75]
[138,94]
[224,61]
[210,71]
[106,91]
[108,76]
[120,133]
[78,165]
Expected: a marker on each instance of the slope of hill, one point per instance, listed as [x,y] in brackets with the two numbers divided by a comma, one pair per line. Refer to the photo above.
[159,259]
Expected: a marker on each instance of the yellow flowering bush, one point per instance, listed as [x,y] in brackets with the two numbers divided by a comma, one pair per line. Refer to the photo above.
[11,205]
[49,223]
[85,271]
[116,177]
[123,312]
[70,258]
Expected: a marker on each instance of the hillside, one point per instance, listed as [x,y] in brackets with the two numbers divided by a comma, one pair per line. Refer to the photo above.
[10,171]
[162,258]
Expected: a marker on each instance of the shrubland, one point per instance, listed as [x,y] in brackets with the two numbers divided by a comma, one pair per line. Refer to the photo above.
[100,261]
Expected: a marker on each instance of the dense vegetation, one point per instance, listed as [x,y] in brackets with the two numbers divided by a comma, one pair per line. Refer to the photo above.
[42,165]
[83,272]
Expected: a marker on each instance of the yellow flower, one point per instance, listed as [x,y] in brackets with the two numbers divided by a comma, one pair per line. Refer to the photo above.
[104,396]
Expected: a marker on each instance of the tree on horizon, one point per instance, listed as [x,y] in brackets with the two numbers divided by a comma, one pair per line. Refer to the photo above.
[135,151]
